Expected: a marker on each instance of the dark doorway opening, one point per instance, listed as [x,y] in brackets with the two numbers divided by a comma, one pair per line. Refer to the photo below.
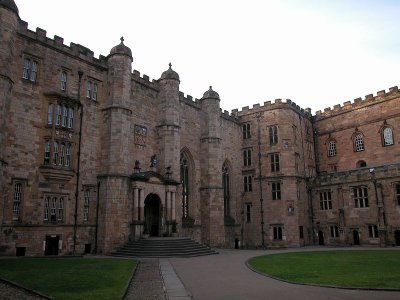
[51,245]
[397,237]
[321,238]
[236,243]
[88,248]
[20,251]
[356,237]
[152,214]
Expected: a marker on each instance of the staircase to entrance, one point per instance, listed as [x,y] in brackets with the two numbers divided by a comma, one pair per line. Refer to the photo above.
[163,247]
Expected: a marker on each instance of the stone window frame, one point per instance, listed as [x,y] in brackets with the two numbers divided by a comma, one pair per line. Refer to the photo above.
[57,153]
[248,212]
[18,197]
[30,68]
[246,130]
[54,209]
[247,183]
[60,114]
[58,143]
[396,186]
[86,204]
[277,232]
[325,200]
[63,80]
[275,162]
[331,147]
[373,231]
[273,136]
[92,87]
[226,185]
[360,196]
[185,177]
[358,141]
[247,153]
[334,231]
[387,137]
[276,190]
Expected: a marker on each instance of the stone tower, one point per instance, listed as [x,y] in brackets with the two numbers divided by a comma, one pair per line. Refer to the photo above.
[9,21]
[211,192]
[117,162]
[168,128]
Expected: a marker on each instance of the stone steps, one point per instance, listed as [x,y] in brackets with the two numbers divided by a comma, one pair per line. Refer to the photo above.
[163,247]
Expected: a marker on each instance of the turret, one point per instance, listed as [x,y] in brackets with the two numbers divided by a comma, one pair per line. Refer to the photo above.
[168,129]
[118,111]
[211,136]
[119,63]
[212,201]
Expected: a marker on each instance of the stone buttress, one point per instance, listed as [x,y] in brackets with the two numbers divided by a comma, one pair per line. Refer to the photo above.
[9,21]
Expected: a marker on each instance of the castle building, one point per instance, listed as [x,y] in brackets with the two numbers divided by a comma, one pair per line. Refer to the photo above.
[93,155]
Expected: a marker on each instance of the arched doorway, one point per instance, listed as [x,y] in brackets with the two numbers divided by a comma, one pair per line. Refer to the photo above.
[356,237]
[397,237]
[321,238]
[152,215]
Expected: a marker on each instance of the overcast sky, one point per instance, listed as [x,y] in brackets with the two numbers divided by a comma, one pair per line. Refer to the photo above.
[316,53]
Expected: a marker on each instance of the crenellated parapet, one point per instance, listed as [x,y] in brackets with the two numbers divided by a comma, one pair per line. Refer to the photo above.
[188,99]
[145,80]
[348,106]
[270,105]
[57,43]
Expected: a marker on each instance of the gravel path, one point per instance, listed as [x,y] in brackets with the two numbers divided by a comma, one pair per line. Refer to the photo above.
[147,282]
[11,292]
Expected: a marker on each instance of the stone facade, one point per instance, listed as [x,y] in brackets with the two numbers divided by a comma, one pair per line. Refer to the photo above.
[93,155]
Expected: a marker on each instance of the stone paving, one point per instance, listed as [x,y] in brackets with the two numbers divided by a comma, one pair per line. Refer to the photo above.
[147,282]
[12,292]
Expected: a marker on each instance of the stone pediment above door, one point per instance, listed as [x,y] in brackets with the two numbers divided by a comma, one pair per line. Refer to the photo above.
[153,177]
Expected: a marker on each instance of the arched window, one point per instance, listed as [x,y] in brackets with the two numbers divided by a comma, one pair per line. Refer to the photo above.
[185,185]
[226,186]
[358,142]
[361,164]
[387,136]
[332,148]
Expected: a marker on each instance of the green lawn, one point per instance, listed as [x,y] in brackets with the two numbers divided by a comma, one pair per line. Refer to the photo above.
[357,268]
[71,278]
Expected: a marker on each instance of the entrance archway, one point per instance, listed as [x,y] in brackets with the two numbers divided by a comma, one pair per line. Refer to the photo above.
[397,237]
[152,214]
[356,237]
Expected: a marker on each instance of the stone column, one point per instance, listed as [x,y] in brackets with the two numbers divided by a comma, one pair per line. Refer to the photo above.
[135,204]
[173,205]
[141,206]
[168,214]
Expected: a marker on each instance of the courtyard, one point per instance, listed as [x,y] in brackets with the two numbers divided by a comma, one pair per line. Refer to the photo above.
[226,276]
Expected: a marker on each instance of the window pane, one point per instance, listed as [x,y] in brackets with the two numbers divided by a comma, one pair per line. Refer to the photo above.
[89,90]
[50,114]
[387,136]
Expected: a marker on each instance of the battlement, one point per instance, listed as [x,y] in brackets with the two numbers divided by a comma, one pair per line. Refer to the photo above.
[189,100]
[277,103]
[144,79]
[359,102]
[57,42]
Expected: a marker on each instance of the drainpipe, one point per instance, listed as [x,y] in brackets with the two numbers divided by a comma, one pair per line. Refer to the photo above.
[97,216]
[80,74]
